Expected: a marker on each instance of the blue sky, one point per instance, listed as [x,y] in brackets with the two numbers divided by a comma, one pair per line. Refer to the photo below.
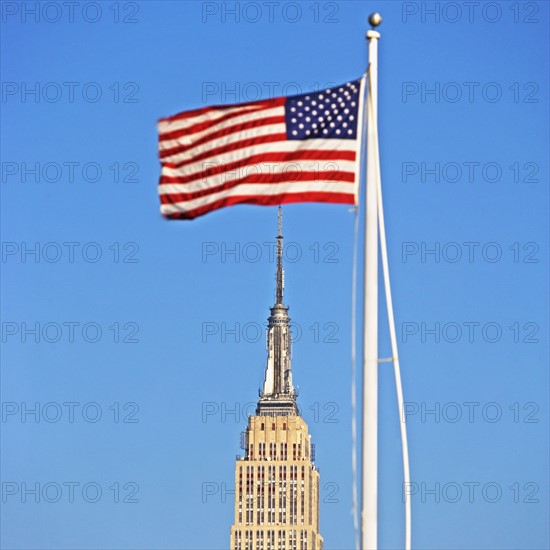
[134,365]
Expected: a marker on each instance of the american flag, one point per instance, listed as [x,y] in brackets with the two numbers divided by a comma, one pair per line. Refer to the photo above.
[301,148]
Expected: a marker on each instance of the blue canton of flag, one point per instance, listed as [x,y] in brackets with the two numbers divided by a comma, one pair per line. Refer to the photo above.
[331,113]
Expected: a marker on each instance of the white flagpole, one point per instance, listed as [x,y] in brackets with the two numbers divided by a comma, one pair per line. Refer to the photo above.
[369,489]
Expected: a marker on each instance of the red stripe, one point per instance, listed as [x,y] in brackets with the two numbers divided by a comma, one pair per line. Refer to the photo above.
[270,138]
[265,200]
[221,133]
[308,154]
[261,103]
[199,126]
[268,179]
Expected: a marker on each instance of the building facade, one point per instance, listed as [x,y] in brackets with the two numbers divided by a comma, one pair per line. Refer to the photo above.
[276,482]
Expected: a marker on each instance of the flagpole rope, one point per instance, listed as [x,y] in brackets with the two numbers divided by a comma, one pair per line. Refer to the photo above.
[354,377]
[393,338]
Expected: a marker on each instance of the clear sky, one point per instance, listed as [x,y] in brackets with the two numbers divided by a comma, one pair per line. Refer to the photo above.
[133,362]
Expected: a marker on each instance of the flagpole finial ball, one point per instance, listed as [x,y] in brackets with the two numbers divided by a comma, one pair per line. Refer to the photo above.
[375,19]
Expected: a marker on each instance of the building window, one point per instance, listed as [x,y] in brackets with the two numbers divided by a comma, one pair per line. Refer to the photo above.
[282,494]
[284,451]
[262,427]
[310,499]
[260,494]
[293,495]
[317,496]
[284,425]
[249,498]
[273,451]
[271,495]
[249,479]
[273,426]
[240,499]
[238,541]
[302,502]
[292,540]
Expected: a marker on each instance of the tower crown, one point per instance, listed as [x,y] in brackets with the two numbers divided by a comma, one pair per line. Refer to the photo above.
[278,396]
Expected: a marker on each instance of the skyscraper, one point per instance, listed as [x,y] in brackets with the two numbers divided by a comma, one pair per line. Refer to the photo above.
[276,482]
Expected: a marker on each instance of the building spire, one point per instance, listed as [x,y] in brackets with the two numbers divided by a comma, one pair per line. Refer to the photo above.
[277,396]
[280,276]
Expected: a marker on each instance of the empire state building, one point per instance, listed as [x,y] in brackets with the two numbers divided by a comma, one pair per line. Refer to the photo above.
[276,482]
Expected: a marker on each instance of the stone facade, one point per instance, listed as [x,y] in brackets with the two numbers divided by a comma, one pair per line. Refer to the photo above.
[276,488]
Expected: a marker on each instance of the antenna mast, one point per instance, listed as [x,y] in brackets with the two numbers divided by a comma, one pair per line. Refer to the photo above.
[280,277]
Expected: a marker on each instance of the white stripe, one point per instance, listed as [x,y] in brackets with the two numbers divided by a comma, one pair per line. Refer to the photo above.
[191,138]
[227,140]
[275,147]
[254,190]
[180,124]
[320,167]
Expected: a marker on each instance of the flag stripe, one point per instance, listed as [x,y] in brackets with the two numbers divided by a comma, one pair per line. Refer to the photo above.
[206,113]
[263,200]
[311,149]
[214,116]
[262,136]
[254,191]
[219,174]
[171,138]
[178,193]
[224,135]
[303,173]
